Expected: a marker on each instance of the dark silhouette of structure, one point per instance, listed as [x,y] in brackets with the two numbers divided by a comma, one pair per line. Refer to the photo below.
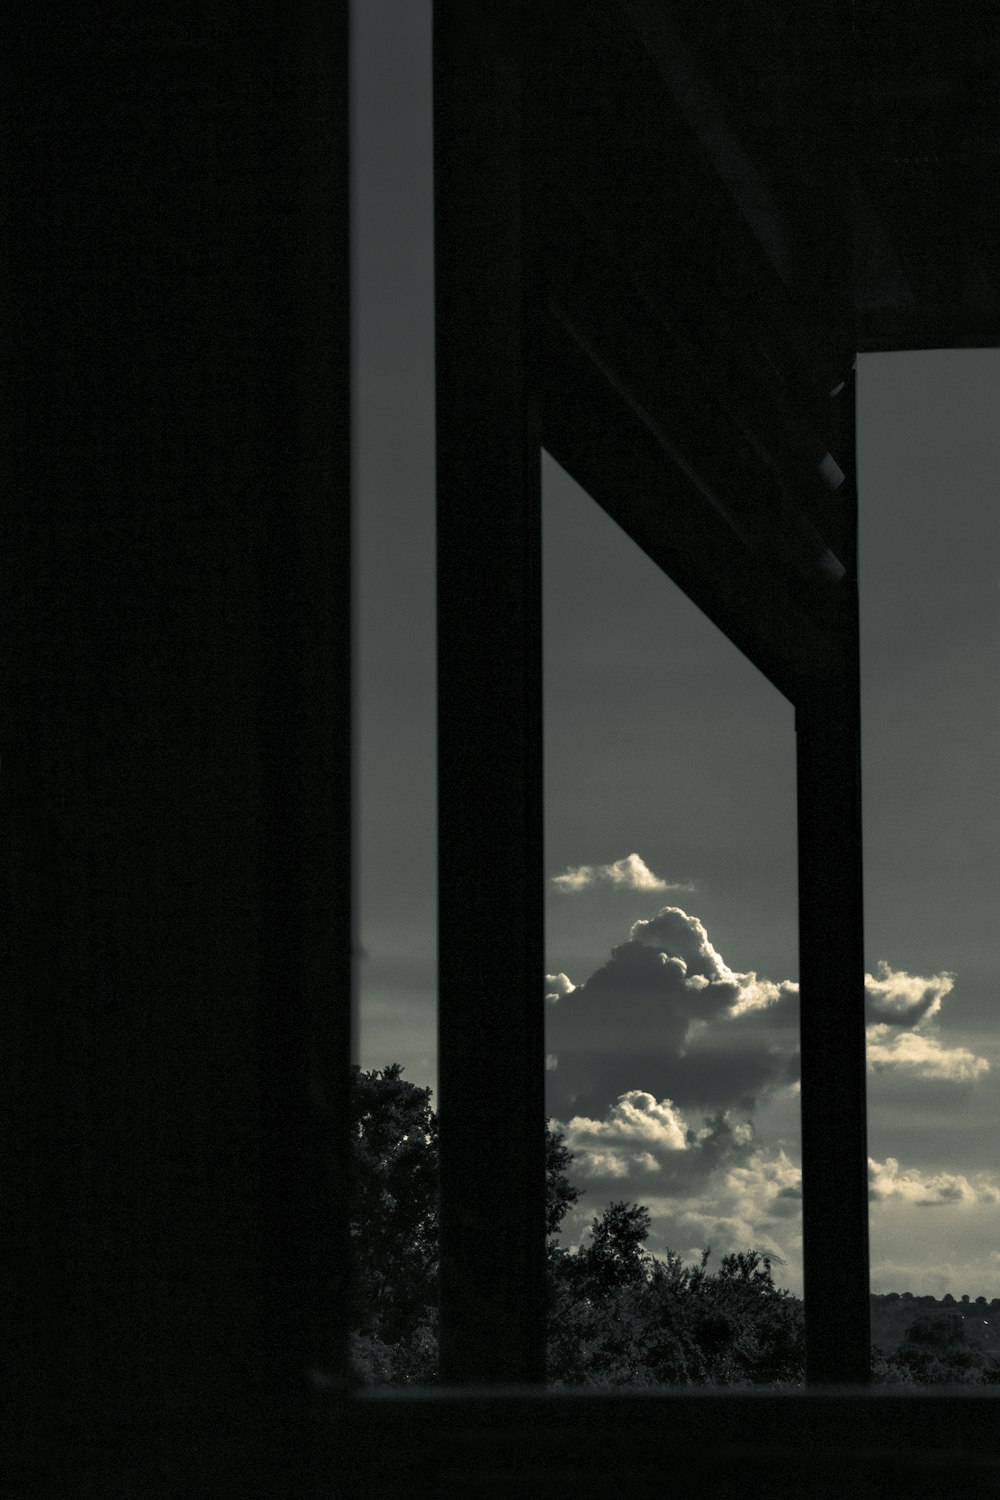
[664,230]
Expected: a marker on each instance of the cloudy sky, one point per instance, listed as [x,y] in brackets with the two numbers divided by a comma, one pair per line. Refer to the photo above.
[670,817]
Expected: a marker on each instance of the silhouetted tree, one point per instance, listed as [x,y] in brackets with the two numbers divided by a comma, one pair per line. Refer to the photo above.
[616,1255]
[560,1195]
[395,1223]
[394,1227]
[620,1315]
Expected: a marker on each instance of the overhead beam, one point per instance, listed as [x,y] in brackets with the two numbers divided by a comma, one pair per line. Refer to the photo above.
[710,409]
[593,430]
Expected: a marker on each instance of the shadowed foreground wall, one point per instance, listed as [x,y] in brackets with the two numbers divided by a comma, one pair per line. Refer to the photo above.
[174,742]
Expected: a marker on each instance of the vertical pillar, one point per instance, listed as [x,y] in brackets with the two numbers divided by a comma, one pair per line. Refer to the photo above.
[305,738]
[491,1034]
[831,961]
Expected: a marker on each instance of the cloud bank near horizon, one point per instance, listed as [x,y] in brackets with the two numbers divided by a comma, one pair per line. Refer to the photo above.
[658,1063]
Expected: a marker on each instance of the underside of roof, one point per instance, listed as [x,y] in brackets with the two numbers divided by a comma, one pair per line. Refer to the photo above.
[734,201]
[874,123]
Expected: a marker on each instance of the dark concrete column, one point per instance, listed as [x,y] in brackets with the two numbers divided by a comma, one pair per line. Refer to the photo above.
[831,962]
[490,709]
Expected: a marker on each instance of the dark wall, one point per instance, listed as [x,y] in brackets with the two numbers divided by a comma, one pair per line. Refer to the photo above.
[174,738]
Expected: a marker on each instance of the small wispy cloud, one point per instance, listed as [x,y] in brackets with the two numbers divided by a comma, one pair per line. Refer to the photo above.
[558,984]
[631,873]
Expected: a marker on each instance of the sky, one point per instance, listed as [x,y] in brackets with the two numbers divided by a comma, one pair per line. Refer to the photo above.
[670,790]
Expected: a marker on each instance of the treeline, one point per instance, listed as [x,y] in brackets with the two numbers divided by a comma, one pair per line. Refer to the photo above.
[899,1319]
[617,1314]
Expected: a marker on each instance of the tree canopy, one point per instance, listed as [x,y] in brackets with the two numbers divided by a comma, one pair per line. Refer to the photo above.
[621,1316]
[394,1217]
[394,1223]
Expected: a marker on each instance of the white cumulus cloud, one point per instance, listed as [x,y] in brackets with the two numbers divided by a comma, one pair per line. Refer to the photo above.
[614,1165]
[644,1146]
[921,1056]
[903,999]
[631,873]
[751,1200]
[637,1118]
[683,938]
[667,1014]
[886,1181]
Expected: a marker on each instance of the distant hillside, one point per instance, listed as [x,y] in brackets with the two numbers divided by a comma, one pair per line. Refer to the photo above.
[892,1314]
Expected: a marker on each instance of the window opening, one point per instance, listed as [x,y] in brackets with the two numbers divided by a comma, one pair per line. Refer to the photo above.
[928,458]
[394,1134]
[672,1001]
